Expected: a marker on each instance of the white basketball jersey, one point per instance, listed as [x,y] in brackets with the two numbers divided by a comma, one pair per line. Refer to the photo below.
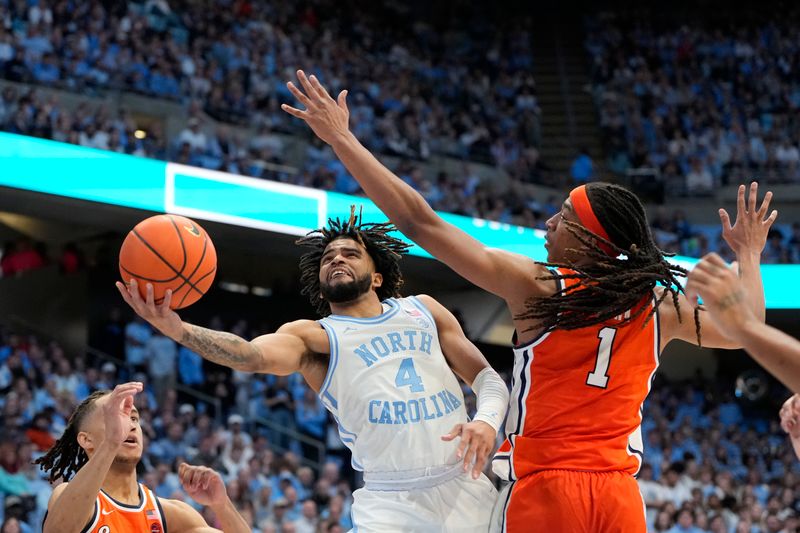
[391,390]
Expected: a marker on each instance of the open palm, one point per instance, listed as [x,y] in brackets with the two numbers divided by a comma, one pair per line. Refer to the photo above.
[749,231]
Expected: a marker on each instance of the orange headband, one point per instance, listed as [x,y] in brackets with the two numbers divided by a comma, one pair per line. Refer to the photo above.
[583,208]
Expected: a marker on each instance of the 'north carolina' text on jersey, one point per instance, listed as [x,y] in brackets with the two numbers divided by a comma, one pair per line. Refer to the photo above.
[576,398]
[390,388]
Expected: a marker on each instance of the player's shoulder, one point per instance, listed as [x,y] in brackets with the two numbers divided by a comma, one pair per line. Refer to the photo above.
[300,327]
[57,491]
[433,306]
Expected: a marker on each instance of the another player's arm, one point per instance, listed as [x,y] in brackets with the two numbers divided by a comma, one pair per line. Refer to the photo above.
[725,298]
[205,486]
[71,505]
[747,238]
[477,437]
[282,353]
[505,274]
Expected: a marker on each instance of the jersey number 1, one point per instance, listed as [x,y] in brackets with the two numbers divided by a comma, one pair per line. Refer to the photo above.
[407,375]
[599,376]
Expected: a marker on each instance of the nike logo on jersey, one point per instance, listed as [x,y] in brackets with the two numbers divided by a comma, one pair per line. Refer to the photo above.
[104,512]
[349,329]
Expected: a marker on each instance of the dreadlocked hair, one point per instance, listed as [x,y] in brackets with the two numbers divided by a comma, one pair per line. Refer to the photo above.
[66,456]
[384,250]
[612,284]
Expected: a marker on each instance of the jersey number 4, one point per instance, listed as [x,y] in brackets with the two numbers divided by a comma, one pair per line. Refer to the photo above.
[407,376]
[599,376]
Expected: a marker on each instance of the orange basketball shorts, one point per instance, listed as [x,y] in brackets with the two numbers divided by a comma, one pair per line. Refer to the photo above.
[565,501]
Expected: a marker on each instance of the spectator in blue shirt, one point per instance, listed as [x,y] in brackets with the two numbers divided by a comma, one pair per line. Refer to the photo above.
[582,169]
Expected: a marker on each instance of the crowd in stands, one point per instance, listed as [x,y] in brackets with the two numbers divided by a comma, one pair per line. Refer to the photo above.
[715,463]
[700,107]
[266,474]
[416,87]
[703,104]
[712,463]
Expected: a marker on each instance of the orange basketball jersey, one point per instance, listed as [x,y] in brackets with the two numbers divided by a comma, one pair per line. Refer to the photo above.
[111,516]
[576,399]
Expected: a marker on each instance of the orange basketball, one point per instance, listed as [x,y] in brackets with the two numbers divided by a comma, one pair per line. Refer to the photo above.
[170,252]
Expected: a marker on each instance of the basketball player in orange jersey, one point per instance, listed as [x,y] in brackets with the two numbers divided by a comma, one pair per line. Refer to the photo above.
[102,445]
[589,330]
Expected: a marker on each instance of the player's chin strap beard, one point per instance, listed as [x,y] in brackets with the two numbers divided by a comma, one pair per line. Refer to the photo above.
[346,292]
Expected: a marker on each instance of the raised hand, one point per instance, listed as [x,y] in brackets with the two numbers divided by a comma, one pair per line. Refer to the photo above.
[160,317]
[202,484]
[117,409]
[477,442]
[328,118]
[749,231]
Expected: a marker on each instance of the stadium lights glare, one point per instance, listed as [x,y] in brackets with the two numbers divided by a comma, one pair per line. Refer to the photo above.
[140,134]
[233,287]
[261,291]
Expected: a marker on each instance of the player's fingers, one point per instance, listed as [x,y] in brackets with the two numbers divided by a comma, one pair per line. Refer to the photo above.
[771,218]
[481,456]
[321,91]
[715,260]
[150,301]
[735,268]
[740,210]
[307,87]
[126,389]
[751,200]
[299,113]
[299,95]
[123,290]
[463,446]
[205,478]
[725,219]
[455,432]
[762,211]
[690,290]
[164,307]
[133,291]
[342,100]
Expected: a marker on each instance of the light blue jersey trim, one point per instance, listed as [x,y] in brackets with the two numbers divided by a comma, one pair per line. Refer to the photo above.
[383,317]
[422,307]
[331,399]
[334,360]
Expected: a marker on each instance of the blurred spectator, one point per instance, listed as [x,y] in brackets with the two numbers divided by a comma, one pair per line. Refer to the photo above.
[161,353]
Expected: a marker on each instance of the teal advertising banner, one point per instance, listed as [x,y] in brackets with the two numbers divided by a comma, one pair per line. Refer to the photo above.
[107,177]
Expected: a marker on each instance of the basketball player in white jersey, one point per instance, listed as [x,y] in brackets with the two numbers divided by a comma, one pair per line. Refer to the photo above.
[384,367]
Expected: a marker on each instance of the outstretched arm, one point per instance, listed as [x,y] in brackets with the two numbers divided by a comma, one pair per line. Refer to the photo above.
[282,353]
[726,302]
[510,276]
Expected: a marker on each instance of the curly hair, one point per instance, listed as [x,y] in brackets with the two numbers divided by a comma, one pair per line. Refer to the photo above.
[384,250]
[613,283]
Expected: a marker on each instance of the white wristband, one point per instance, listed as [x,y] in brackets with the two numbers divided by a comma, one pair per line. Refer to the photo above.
[492,396]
